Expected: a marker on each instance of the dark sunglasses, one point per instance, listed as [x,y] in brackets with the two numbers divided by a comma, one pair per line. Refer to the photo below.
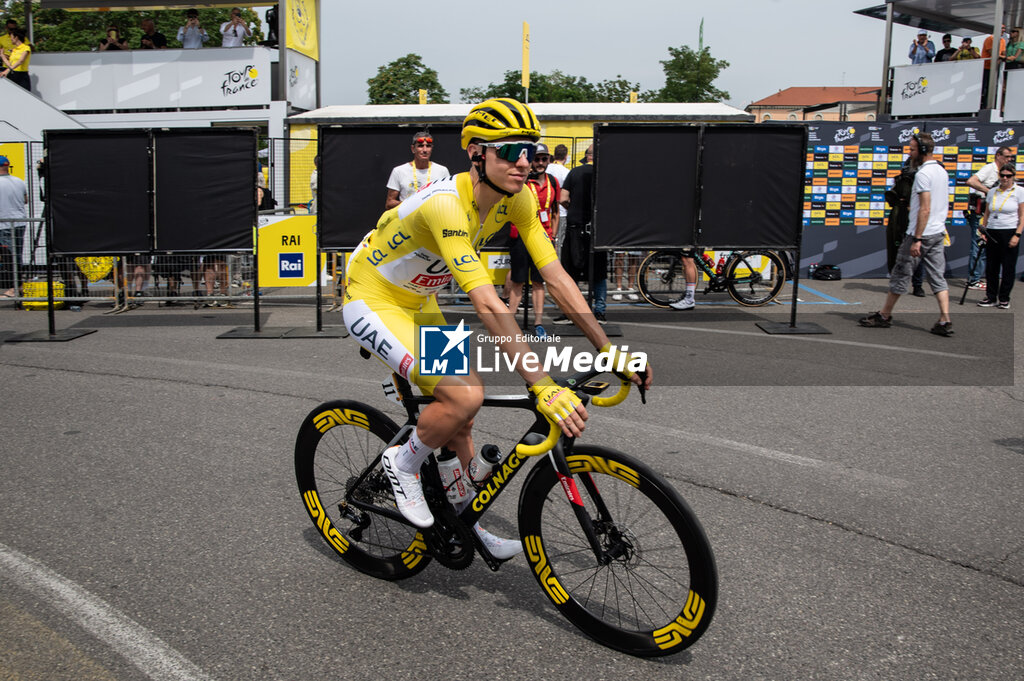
[512,151]
[1006,174]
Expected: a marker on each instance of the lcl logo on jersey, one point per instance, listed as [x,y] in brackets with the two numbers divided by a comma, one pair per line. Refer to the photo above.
[290,265]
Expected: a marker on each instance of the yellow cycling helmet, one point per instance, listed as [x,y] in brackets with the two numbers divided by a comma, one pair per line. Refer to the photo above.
[498,118]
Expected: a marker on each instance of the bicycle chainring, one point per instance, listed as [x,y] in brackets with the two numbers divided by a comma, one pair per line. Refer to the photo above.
[450,542]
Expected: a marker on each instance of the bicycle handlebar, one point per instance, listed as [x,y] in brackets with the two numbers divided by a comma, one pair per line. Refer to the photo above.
[555,431]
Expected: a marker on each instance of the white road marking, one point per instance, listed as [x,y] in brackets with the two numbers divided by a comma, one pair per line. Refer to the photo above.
[129,638]
[831,469]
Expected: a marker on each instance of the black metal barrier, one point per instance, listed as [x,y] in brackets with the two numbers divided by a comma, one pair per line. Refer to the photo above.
[147,192]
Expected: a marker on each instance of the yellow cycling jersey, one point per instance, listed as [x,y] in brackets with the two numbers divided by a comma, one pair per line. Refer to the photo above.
[435,235]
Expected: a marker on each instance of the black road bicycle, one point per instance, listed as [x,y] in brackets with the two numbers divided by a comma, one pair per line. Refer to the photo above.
[752,278]
[613,546]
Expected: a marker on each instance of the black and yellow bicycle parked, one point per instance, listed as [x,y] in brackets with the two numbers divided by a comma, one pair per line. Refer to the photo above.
[614,547]
[751,277]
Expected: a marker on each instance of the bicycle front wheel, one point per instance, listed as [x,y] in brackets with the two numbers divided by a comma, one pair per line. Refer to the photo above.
[754,278]
[336,466]
[655,588]
[661,279]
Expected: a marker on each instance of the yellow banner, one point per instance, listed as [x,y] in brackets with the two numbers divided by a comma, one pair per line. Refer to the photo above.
[301,29]
[287,250]
[526,55]
[15,153]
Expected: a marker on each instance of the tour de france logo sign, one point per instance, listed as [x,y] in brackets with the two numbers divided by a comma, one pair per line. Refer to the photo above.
[300,19]
[240,80]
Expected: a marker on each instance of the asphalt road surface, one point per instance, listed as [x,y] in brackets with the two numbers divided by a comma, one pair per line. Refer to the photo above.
[863,491]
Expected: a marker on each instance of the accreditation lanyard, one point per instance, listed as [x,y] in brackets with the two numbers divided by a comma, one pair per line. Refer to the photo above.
[415,175]
[1006,197]
[547,195]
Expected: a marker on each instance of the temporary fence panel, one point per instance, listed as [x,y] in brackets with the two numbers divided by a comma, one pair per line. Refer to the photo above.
[355,164]
[205,196]
[98,183]
[751,186]
[648,205]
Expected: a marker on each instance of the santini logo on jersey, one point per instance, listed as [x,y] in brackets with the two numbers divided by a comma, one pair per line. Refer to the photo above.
[454,232]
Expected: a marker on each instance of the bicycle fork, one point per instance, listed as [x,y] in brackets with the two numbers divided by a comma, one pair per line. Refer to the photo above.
[572,493]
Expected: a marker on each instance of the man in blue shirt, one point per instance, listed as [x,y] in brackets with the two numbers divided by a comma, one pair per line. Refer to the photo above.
[922,50]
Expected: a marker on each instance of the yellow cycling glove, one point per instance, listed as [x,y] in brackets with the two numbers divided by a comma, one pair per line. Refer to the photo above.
[554,401]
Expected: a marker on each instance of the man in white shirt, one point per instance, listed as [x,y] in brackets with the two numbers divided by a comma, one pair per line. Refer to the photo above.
[409,178]
[235,30]
[926,229]
[13,199]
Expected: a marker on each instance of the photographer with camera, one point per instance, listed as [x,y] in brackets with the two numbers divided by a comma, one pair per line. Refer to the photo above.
[192,35]
[234,31]
[113,41]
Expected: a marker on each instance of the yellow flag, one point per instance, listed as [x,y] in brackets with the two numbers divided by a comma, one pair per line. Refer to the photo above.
[632,97]
[526,55]
[423,96]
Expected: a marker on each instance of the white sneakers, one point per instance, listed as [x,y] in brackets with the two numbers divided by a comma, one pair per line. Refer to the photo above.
[502,549]
[408,491]
[410,501]
[683,303]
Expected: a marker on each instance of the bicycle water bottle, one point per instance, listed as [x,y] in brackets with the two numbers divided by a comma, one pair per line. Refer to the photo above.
[720,267]
[450,469]
[708,261]
[483,463]
[811,270]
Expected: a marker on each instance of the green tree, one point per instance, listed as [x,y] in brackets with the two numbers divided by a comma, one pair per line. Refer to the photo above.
[689,75]
[57,30]
[400,82]
[553,87]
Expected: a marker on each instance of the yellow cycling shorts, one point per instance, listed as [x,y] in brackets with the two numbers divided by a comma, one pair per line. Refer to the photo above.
[389,330]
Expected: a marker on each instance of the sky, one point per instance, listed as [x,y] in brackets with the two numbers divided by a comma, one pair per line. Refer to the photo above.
[770,45]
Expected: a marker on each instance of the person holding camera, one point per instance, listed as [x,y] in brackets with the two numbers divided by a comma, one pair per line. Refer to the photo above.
[192,35]
[113,41]
[235,31]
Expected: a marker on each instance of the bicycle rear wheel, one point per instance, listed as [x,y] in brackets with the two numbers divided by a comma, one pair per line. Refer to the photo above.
[754,278]
[337,443]
[657,593]
[661,279]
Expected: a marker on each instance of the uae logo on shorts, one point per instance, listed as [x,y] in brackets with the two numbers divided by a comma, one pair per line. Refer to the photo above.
[290,265]
[444,350]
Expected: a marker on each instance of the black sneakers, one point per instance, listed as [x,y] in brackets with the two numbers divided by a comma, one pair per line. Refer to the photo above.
[941,329]
[875,320]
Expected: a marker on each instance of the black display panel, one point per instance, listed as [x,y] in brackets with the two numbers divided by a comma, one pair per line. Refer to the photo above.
[645,193]
[355,163]
[205,189]
[752,186]
[98,185]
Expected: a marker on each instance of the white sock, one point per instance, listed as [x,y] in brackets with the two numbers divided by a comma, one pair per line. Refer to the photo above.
[412,454]
[690,288]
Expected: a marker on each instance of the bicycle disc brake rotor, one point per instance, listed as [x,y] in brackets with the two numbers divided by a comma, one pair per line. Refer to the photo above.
[620,544]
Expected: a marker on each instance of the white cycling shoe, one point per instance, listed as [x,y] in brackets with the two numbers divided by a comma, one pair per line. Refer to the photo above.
[682,304]
[408,491]
[502,549]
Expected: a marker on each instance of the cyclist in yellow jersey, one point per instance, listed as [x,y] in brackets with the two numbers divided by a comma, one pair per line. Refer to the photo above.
[417,248]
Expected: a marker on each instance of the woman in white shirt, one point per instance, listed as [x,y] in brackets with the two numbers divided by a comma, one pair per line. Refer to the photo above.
[1002,228]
